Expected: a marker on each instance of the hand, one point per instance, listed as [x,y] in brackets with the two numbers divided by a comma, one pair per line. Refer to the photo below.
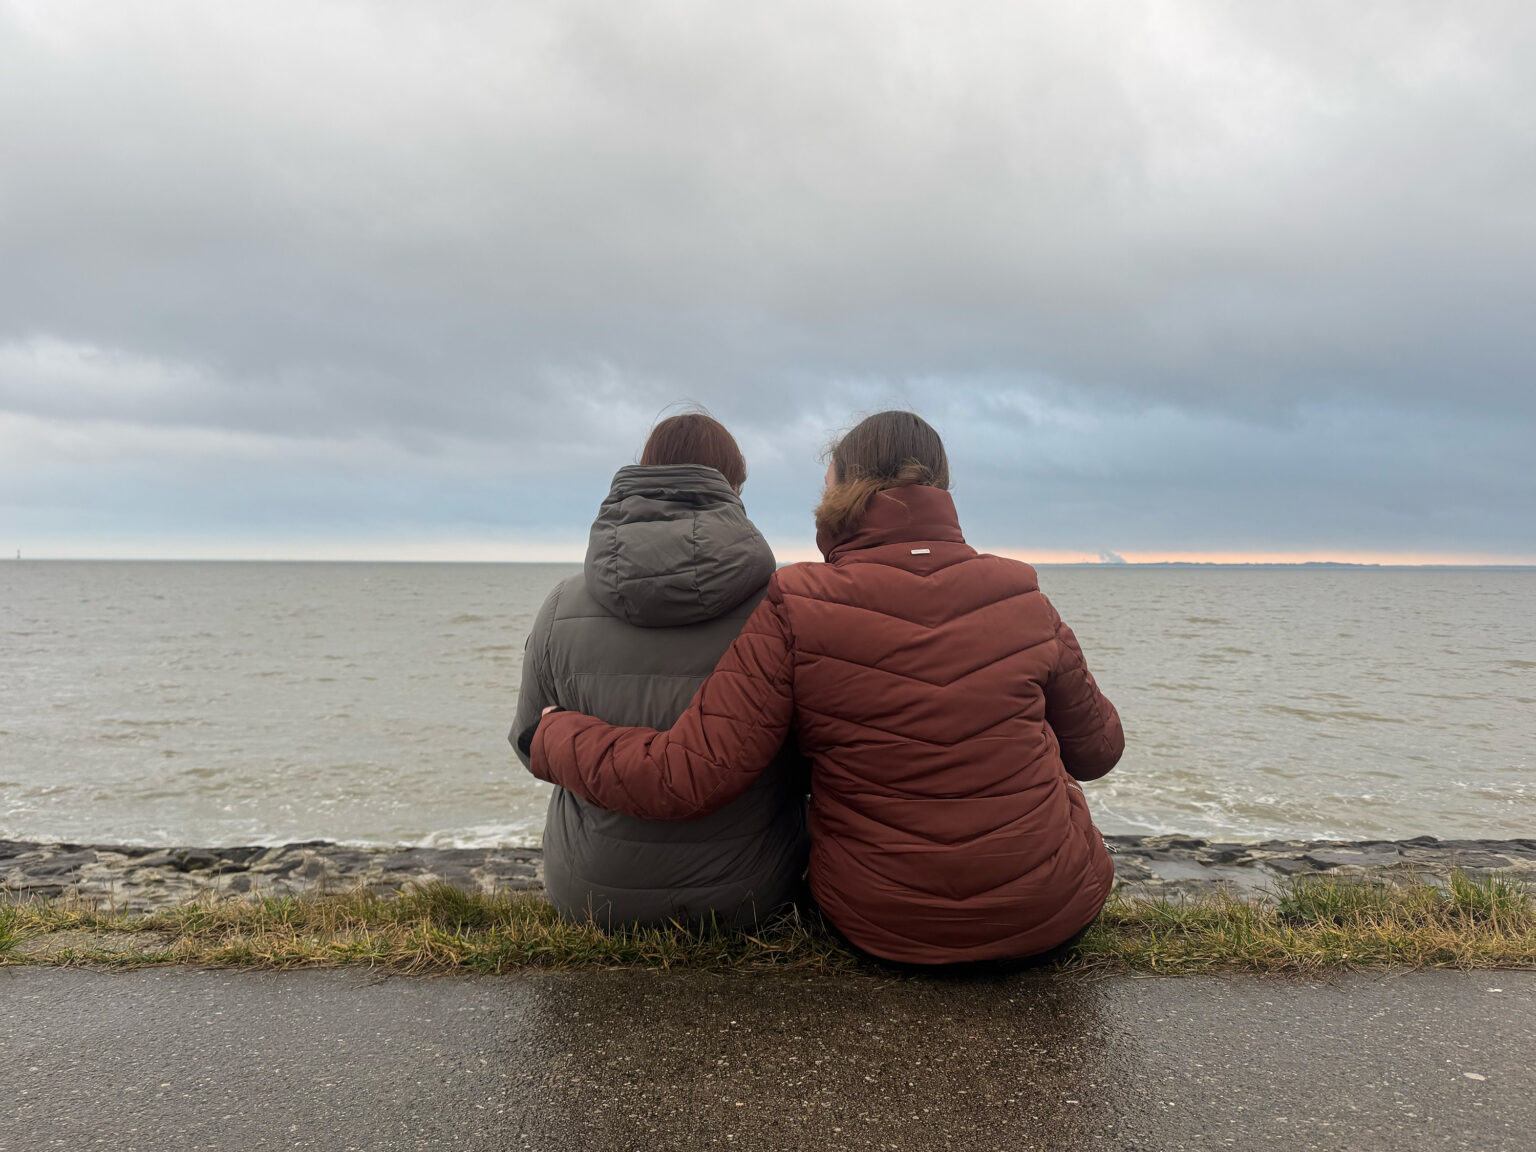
[547,711]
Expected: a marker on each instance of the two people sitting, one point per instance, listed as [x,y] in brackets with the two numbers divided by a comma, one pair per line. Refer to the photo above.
[682,690]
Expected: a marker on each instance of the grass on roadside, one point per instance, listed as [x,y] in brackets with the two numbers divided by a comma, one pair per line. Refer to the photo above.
[1311,924]
[1315,923]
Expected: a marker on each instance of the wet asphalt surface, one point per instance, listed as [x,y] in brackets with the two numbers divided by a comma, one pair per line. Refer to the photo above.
[167,1059]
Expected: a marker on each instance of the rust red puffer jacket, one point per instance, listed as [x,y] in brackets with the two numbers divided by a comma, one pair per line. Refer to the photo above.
[945,707]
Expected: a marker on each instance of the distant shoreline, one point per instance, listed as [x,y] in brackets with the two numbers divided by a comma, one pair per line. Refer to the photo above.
[1305,565]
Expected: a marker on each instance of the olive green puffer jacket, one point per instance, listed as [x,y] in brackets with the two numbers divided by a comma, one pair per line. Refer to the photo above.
[673,570]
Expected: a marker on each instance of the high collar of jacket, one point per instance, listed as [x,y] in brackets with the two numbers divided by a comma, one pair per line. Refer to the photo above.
[672,545]
[896,516]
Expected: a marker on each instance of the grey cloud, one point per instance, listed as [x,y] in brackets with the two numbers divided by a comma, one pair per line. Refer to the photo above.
[534,225]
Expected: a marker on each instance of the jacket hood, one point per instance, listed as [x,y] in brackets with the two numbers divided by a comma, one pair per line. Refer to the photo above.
[672,545]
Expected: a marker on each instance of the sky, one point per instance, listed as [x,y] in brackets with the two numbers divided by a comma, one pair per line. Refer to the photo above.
[1175,280]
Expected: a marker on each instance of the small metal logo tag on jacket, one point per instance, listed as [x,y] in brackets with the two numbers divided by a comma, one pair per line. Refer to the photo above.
[921,551]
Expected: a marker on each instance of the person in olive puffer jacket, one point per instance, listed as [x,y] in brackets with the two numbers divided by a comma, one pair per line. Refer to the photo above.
[947,710]
[673,570]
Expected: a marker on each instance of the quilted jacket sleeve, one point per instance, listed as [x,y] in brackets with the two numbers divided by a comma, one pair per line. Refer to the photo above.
[1086,724]
[537,688]
[737,722]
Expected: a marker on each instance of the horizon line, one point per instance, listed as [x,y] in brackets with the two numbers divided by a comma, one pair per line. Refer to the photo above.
[1045,558]
[467,544]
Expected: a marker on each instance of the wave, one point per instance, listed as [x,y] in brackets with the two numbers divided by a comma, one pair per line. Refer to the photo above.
[517,835]
[1340,714]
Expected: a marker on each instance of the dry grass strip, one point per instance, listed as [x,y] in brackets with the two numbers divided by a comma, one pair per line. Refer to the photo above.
[1310,925]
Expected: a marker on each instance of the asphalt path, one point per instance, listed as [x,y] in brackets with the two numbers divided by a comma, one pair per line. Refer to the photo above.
[166,1059]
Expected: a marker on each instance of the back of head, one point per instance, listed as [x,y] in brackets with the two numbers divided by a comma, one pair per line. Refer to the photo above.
[696,438]
[887,450]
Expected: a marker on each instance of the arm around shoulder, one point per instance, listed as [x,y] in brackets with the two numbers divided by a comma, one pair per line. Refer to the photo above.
[735,725]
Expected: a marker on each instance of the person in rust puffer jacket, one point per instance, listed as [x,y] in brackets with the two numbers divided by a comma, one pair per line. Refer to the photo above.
[946,709]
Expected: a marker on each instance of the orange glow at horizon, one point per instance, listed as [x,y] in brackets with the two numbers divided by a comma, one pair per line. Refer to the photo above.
[1050,556]
[796,553]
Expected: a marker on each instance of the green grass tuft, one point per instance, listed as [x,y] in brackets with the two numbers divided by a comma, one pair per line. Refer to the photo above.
[1310,925]
[1490,900]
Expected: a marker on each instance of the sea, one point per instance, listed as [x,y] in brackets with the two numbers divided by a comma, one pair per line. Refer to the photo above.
[369,703]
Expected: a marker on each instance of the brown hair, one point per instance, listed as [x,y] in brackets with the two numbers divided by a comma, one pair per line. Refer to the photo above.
[886,450]
[696,438]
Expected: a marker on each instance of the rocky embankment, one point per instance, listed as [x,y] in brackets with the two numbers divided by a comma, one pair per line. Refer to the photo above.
[139,879]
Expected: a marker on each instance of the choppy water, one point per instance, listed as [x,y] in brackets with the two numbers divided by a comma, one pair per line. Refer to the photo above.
[240,703]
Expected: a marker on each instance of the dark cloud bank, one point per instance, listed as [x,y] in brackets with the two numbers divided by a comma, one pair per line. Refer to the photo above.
[1169,278]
